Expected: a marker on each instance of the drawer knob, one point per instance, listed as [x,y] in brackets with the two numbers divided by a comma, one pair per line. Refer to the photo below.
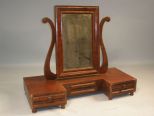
[124,85]
[49,98]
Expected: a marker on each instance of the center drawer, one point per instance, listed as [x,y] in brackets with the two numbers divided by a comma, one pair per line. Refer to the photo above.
[49,98]
[82,88]
[123,86]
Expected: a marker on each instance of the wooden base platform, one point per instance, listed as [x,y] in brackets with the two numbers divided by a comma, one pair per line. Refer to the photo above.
[44,93]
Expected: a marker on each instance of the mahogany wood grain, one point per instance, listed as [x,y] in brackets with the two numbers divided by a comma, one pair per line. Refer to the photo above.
[94,11]
[53,89]
[47,71]
[97,43]
[42,92]
[104,65]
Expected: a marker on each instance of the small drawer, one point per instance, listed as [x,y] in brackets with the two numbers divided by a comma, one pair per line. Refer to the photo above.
[83,91]
[123,86]
[82,88]
[49,98]
[82,85]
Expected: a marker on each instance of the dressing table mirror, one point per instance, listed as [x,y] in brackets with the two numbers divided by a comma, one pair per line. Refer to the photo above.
[77,37]
[77,41]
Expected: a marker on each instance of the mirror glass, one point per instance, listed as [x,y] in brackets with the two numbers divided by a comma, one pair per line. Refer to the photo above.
[77,41]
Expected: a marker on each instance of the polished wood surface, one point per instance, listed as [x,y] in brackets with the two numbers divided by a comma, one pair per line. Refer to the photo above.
[104,65]
[59,12]
[47,71]
[118,82]
[43,93]
[57,37]
[53,89]
[45,86]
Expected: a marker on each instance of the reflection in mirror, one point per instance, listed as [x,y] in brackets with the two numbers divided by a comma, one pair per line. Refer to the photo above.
[77,41]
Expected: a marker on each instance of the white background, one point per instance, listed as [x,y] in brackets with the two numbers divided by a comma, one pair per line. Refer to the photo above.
[128,38]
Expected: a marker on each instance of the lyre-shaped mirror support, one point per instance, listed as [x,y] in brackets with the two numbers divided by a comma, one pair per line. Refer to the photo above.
[104,65]
[47,71]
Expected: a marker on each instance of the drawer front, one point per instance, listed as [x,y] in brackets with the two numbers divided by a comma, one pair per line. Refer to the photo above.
[82,88]
[123,86]
[82,85]
[49,98]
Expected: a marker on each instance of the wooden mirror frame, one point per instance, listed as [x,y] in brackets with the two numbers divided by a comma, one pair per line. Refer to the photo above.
[97,43]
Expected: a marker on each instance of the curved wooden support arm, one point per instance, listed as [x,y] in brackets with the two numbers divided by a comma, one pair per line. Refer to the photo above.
[47,71]
[104,65]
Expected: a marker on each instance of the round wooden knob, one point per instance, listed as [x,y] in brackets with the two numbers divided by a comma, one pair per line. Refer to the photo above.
[49,98]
